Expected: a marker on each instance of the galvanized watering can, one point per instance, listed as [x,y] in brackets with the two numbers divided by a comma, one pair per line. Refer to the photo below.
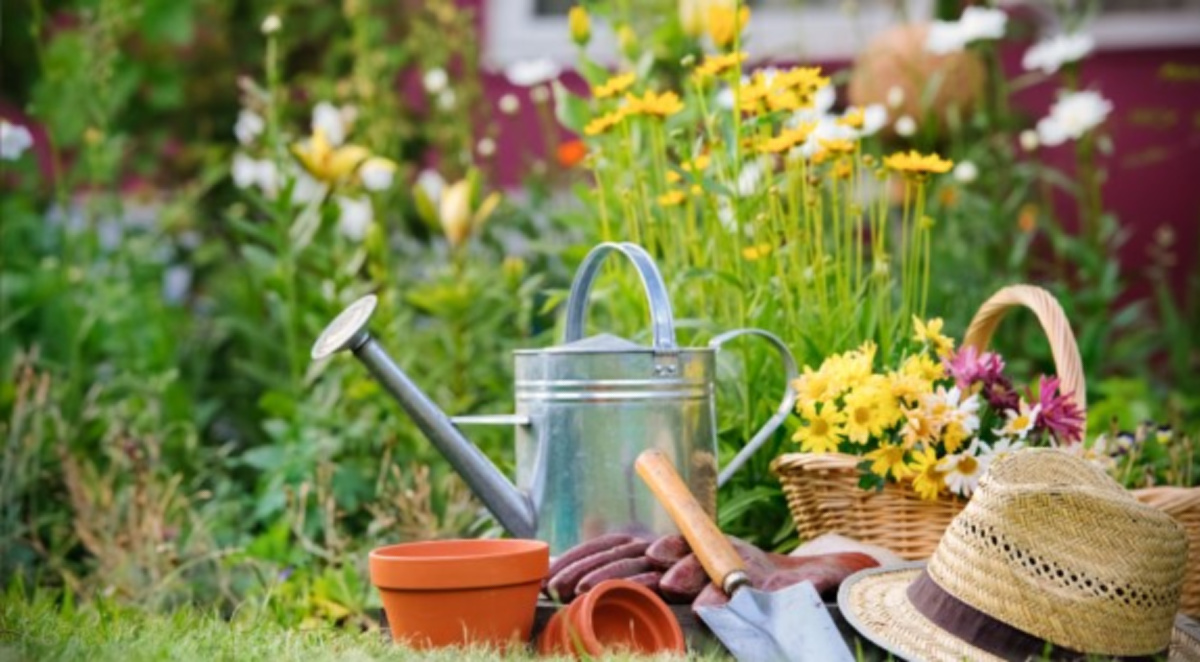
[585,410]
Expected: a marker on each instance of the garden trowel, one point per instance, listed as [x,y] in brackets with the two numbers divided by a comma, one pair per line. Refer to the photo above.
[789,624]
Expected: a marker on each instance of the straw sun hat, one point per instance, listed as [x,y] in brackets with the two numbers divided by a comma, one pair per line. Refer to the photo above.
[1049,556]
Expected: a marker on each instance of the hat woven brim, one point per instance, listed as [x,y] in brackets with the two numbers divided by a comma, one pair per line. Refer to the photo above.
[875,603]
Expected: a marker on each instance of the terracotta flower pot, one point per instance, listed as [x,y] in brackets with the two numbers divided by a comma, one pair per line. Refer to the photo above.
[455,592]
[615,615]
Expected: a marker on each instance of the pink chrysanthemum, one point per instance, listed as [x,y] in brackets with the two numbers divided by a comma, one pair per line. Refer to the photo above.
[1060,415]
[967,366]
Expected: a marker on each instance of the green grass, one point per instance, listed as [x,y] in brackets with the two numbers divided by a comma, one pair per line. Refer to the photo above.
[47,630]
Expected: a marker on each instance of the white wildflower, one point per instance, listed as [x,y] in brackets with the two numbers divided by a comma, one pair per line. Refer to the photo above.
[14,140]
[486,147]
[271,24]
[1051,54]
[905,126]
[540,94]
[446,100]
[966,172]
[249,126]
[895,96]
[1019,422]
[1074,114]
[176,281]
[435,80]
[328,118]
[528,73]
[963,470]
[432,184]
[249,172]
[307,189]
[377,173]
[354,217]
[509,104]
[976,24]
[1029,140]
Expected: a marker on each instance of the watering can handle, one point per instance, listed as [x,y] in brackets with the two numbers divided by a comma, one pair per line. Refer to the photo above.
[656,292]
[785,406]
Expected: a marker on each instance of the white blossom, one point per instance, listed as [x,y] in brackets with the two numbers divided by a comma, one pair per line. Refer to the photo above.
[905,126]
[486,147]
[176,281]
[527,73]
[1051,54]
[435,80]
[509,104]
[271,24]
[895,96]
[377,173]
[307,189]
[446,100]
[976,23]
[1074,114]
[540,94]
[328,118]
[966,172]
[875,117]
[432,184]
[354,217]
[1029,140]
[14,140]
[249,126]
[249,172]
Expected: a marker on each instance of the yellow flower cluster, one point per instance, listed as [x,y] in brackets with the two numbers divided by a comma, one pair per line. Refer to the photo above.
[787,139]
[614,85]
[715,65]
[914,163]
[789,90]
[904,413]
[653,104]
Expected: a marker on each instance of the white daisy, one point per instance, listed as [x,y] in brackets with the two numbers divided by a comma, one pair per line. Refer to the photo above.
[1051,54]
[963,470]
[14,140]
[976,24]
[1019,422]
[1074,114]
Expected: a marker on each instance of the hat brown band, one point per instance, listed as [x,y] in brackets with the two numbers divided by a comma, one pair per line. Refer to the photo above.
[984,632]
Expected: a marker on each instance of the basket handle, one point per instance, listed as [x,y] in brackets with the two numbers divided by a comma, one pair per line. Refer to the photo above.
[1067,363]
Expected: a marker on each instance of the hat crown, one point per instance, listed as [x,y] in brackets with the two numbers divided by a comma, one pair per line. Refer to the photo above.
[1053,546]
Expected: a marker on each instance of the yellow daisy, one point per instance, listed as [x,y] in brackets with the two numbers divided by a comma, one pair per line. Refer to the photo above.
[889,458]
[928,478]
[715,65]
[823,430]
[654,104]
[915,163]
[614,85]
[671,198]
[604,123]
[931,333]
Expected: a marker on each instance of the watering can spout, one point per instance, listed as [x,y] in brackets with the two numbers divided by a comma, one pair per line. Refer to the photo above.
[348,331]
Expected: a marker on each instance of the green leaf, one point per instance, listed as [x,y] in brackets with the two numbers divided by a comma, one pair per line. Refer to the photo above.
[571,110]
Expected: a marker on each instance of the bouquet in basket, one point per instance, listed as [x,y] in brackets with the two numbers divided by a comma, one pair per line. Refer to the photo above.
[936,420]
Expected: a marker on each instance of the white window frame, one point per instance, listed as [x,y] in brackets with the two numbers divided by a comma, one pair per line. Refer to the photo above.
[513,32]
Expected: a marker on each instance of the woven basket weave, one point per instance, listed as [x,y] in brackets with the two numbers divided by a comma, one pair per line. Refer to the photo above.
[824,497]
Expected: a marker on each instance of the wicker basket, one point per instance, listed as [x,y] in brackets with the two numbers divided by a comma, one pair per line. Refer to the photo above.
[823,493]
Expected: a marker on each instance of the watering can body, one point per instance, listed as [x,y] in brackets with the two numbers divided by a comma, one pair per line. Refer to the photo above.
[585,410]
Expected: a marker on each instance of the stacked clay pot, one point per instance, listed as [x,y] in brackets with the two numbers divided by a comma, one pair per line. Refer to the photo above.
[615,615]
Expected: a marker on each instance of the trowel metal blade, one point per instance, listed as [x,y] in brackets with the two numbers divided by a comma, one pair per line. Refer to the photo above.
[788,625]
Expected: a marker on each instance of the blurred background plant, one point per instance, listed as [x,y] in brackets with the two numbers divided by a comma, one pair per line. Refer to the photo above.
[192,189]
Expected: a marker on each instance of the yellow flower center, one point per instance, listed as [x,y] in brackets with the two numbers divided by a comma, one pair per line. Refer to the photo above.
[862,415]
[820,427]
[967,465]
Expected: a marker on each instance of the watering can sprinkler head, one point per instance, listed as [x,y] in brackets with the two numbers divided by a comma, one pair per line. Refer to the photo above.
[348,331]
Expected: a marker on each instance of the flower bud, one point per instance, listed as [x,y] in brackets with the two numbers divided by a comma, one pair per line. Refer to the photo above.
[580,25]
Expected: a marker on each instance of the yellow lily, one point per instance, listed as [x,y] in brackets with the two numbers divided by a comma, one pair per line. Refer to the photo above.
[327,163]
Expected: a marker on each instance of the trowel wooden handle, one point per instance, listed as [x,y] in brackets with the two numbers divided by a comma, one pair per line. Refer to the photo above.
[718,557]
